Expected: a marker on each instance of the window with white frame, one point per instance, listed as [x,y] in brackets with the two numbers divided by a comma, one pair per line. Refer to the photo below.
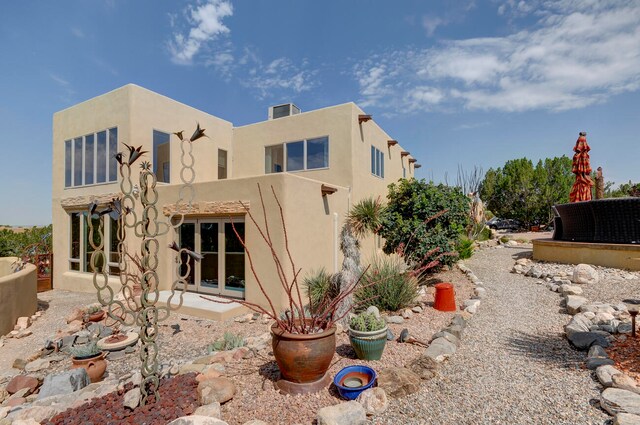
[90,159]
[300,155]
[222,164]
[377,162]
[80,248]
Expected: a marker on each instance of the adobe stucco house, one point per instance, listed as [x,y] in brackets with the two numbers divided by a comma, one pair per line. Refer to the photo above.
[318,162]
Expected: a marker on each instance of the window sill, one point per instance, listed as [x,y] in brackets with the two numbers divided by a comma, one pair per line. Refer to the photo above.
[90,185]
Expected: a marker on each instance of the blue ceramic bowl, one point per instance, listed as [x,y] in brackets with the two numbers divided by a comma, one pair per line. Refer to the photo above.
[352,380]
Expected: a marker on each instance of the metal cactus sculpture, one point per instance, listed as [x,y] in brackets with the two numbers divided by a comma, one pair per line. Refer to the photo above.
[135,303]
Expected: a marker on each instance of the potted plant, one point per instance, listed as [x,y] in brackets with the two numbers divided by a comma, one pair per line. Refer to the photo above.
[303,338]
[94,313]
[90,358]
[368,335]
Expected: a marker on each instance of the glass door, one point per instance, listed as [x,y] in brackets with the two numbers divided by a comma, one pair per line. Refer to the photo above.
[222,269]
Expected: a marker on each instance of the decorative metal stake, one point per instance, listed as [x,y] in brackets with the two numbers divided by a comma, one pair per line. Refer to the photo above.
[136,299]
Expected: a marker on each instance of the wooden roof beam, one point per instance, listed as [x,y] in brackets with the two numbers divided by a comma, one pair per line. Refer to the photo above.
[405,153]
[363,118]
[392,143]
[327,190]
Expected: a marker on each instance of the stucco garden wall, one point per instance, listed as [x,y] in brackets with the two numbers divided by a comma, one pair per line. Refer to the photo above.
[18,293]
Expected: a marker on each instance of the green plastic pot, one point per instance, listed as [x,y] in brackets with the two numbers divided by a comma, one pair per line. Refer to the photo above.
[368,345]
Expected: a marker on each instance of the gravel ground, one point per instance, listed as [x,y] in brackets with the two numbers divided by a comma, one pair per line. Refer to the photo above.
[514,365]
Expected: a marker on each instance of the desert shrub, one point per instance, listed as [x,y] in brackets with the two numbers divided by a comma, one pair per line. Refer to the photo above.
[228,342]
[422,221]
[387,285]
[464,248]
[320,286]
[504,239]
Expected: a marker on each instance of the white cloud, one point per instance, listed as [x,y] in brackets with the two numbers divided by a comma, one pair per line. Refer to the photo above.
[431,23]
[279,74]
[579,52]
[206,26]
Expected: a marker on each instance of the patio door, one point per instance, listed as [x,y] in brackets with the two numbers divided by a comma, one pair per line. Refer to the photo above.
[222,270]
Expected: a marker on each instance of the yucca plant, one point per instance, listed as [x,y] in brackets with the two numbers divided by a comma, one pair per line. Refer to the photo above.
[320,286]
[388,284]
[365,216]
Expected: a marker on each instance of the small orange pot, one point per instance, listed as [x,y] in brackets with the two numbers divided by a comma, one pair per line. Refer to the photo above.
[95,366]
[445,297]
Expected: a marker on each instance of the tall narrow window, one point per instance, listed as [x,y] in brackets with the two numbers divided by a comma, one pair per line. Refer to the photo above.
[273,159]
[77,162]
[101,157]
[222,164]
[209,249]
[111,158]
[161,156]
[234,257]
[89,155]
[317,153]
[67,163]
[74,251]
[377,162]
[295,156]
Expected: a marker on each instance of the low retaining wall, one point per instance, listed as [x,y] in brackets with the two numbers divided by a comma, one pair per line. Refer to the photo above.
[18,293]
[619,256]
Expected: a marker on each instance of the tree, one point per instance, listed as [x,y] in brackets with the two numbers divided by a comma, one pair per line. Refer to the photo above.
[523,192]
[423,221]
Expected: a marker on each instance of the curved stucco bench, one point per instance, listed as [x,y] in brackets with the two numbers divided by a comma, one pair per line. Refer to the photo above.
[18,293]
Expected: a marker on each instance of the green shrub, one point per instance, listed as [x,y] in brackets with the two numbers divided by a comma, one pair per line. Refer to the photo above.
[228,342]
[464,248]
[423,220]
[320,286]
[367,322]
[93,308]
[504,239]
[387,285]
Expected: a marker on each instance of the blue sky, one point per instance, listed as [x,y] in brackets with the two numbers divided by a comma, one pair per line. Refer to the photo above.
[469,83]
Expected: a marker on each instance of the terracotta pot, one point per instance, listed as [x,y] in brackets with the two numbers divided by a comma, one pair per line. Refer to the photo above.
[95,366]
[96,317]
[303,358]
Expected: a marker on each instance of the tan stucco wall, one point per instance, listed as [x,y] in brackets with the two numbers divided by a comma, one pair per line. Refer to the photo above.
[310,227]
[620,256]
[18,293]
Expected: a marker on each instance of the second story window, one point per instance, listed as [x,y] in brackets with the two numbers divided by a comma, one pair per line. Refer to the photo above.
[222,164]
[309,154]
[377,162]
[161,156]
[90,159]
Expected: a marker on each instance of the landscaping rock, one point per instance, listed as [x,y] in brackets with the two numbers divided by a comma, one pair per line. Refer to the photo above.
[595,362]
[440,349]
[584,273]
[407,314]
[197,420]
[4,394]
[211,409]
[22,381]
[36,365]
[605,373]
[390,335]
[373,309]
[417,309]
[132,398]
[255,422]
[480,292]
[574,302]
[425,367]
[349,413]
[28,421]
[615,400]
[571,290]
[37,413]
[584,340]
[625,382]
[578,323]
[64,383]
[398,381]
[191,367]
[374,401]
[626,419]
[217,389]
[23,323]
[455,330]
[76,314]
[395,320]
[19,363]
[448,336]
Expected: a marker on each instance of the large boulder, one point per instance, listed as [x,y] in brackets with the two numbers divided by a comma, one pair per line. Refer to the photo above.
[349,413]
[425,367]
[584,340]
[584,273]
[615,401]
[22,381]
[64,383]
[398,381]
[578,323]
[605,374]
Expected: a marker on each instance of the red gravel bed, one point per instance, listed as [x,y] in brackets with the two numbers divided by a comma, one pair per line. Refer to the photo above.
[625,353]
[178,397]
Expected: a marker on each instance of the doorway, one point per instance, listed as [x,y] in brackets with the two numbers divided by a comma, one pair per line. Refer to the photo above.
[222,270]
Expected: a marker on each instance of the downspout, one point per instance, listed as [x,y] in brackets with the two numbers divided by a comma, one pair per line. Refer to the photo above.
[335,242]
